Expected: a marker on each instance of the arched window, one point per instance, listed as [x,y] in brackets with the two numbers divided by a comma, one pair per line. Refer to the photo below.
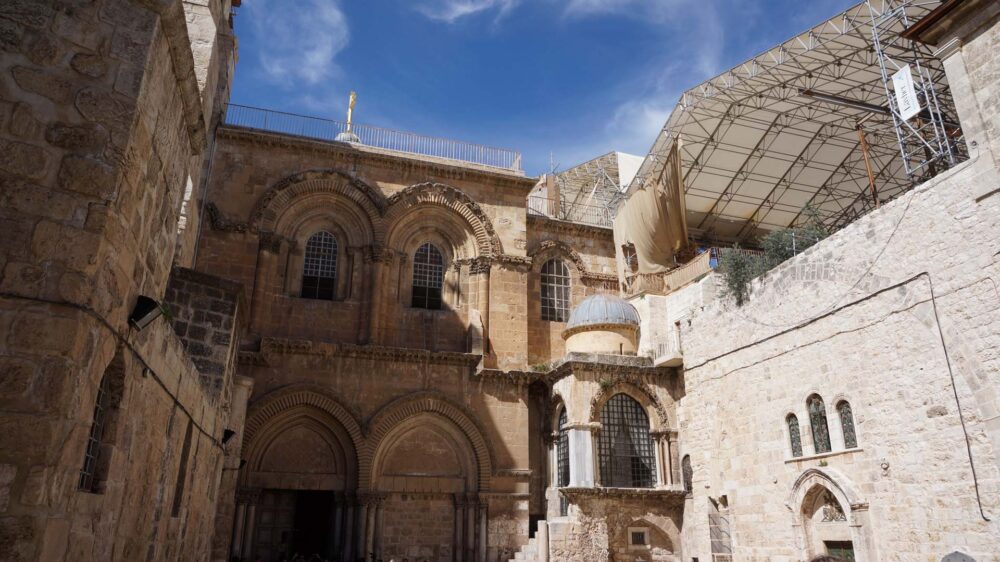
[817,419]
[100,440]
[625,447]
[847,424]
[428,277]
[555,291]
[562,462]
[688,473]
[319,270]
[794,435]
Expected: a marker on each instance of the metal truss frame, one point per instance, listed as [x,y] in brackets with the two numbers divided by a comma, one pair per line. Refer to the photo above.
[756,151]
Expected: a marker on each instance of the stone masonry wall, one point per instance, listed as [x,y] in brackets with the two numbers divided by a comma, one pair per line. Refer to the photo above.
[99,121]
[855,318]
[203,311]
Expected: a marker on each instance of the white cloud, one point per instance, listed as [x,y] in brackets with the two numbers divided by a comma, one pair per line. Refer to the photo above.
[451,11]
[299,44]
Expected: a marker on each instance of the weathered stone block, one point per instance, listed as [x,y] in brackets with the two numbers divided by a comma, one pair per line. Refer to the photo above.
[51,86]
[23,159]
[88,139]
[87,175]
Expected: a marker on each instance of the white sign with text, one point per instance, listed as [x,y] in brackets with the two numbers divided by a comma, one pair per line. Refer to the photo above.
[906,94]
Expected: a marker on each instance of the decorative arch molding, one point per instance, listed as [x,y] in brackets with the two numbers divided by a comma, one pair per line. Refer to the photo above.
[487,241]
[282,400]
[398,411]
[637,389]
[555,248]
[283,193]
[831,479]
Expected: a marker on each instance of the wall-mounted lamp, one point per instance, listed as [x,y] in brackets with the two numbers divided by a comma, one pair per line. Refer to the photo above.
[146,310]
[227,435]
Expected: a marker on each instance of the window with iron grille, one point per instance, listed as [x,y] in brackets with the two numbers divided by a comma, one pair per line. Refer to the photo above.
[625,448]
[555,291]
[428,277]
[817,419]
[847,424]
[97,453]
[319,270]
[562,462]
[794,435]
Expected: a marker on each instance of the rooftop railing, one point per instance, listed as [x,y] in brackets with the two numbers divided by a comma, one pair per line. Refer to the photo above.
[367,135]
[555,209]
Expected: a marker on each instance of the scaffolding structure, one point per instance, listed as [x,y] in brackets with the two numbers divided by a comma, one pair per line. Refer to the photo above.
[778,134]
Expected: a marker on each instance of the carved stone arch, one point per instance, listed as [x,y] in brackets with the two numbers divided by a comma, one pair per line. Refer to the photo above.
[856,522]
[487,240]
[282,400]
[331,181]
[636,389]
[398,411]
[547,249]
[831,479]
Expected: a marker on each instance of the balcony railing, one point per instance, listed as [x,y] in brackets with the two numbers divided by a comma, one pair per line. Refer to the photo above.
[555,209]
[669,281]
[377,137]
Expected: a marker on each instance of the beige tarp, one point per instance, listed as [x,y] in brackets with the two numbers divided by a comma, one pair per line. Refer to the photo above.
[653,218]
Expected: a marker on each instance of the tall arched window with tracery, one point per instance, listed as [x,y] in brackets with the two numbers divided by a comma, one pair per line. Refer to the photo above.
[817,420]
[319,269]
[625,448]
[562,461]
[847,424]
[555,291]
[793,434]
[428,277]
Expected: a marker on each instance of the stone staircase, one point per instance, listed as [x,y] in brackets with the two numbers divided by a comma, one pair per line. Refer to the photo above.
[537,549]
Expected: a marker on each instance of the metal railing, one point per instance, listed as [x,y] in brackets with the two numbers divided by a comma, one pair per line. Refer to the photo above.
[555,209]
[398,141]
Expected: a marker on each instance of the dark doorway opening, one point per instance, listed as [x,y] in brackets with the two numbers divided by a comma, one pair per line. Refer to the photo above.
[291,522]
[840,549]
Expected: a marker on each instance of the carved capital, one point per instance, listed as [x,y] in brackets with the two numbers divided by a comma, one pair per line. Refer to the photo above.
[270,242]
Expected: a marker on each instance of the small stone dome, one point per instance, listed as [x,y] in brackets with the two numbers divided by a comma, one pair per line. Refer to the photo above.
[602,310]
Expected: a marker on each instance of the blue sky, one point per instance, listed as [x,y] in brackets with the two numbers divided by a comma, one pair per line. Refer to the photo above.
[577,78]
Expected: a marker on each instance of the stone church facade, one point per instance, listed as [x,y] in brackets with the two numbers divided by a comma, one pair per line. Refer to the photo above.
[219,342]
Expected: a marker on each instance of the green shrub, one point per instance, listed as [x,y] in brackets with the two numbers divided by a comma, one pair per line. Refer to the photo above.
[739,269]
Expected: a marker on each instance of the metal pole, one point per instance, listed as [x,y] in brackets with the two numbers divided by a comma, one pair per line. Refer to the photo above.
[868,163]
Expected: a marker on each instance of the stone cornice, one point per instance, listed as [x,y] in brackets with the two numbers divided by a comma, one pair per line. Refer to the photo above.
[515,473]
[287,346]
[598,327]
[221,223]
[659,494]
[350,154]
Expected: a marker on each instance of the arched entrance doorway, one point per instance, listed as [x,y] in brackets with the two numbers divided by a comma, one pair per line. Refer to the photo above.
[296,488]
[830,517]
[428,466]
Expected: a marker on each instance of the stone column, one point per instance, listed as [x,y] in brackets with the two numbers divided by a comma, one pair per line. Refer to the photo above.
[360,528]
[371,509]
[581,454]
[238,524]
[659,448]
[379,526]
[249,528]
[267,257]
[470,528]
[482,531]
[481,267]
[381,262]
[346,548]
[459,548]
[367,288]
[336,525]
[675,459]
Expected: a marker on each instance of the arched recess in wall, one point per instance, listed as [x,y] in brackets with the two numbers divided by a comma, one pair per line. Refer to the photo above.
[431,195]
[367,204]
[828,509]
[641,393]
[446,423]
[301,438]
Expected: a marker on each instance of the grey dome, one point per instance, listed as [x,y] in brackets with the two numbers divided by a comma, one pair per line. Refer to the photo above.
[602,309]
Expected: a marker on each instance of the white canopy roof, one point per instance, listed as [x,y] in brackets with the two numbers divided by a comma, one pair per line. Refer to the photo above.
[756,152]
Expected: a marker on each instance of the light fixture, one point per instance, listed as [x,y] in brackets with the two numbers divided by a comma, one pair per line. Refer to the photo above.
[146,310]
[227,435]
[845,101]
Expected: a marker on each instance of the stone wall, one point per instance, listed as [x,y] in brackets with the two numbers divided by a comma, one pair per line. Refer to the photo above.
[99,121]
[203,311]
[897,314]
